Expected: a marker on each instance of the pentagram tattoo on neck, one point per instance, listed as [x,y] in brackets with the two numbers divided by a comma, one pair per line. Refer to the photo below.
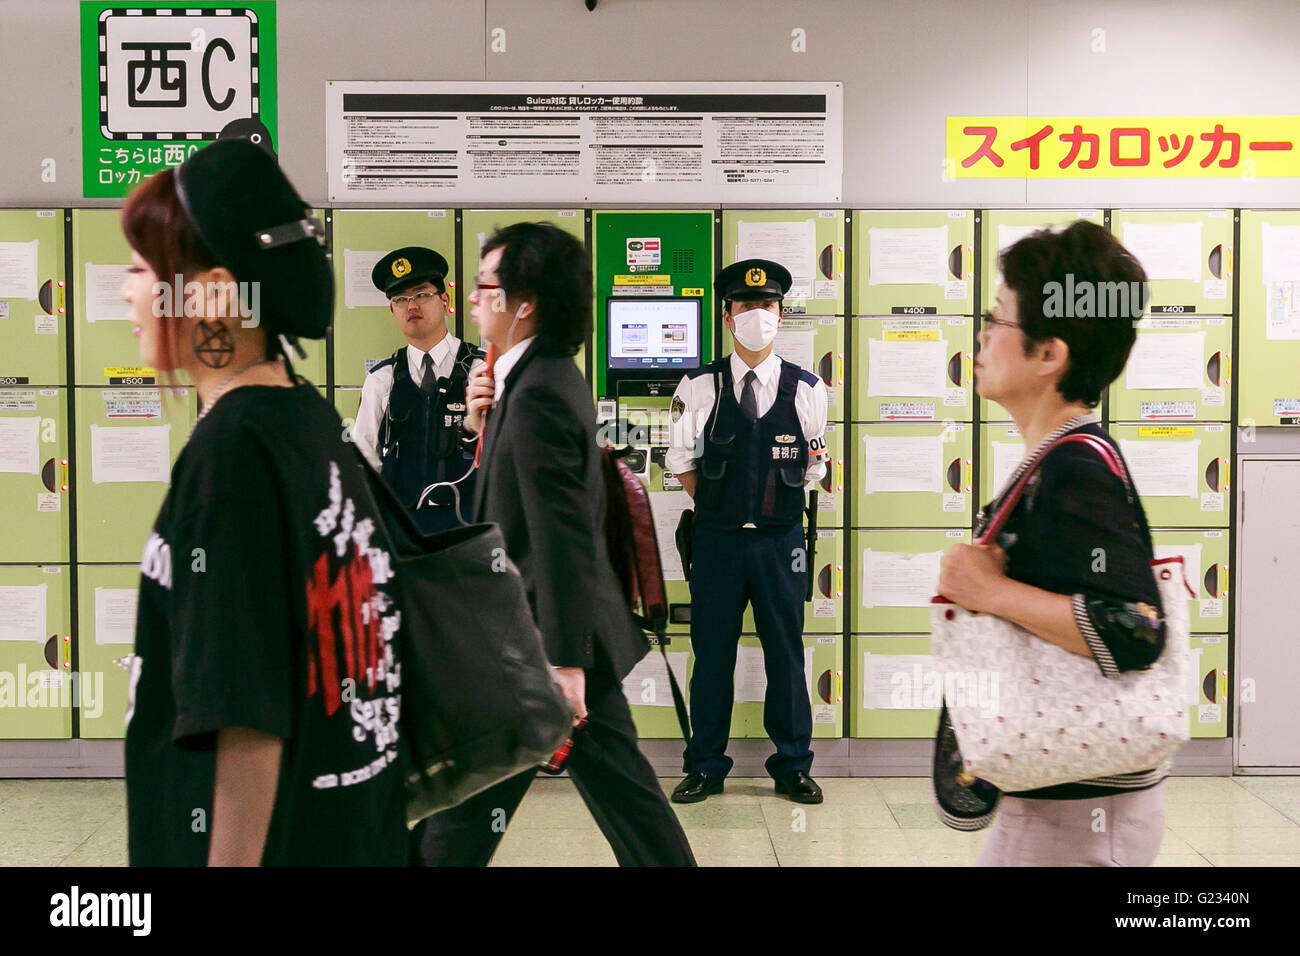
[213,344]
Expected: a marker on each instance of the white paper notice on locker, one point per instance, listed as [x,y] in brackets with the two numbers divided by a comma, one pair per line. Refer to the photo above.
[20,445]
[130,453]
[793,244]
[22,613]
[1166,250]
[104,302]
[1166,360]
[906,368]
[1163,469]
[909,256]
[1007,456]
[898,682]
[1280,252]
[797,346]
[1191,555]
[903,464]
[358,290]
[18,269]
[115,615]
[899,579]
[750,684]
[667,508]
[652,668]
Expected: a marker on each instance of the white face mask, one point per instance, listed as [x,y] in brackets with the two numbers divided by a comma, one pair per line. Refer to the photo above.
[756,329]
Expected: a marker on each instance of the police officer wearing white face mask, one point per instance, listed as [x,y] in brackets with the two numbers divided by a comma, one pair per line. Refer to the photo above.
[747,440]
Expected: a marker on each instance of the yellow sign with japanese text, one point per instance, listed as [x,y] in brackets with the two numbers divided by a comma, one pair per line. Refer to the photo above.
[1123,147]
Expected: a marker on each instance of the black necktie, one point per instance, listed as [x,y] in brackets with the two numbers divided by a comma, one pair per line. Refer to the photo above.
[428,377]
[748,400]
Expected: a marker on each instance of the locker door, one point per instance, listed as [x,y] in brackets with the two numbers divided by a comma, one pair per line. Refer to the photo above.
[649,694]
[34,475]
[1186,254]
[823,673]
[651,252]
[895,687]
[911,262]
[1180,368]
[1270,318]
[922,365]
[106,609]
[365,331]
[105,351]
[1205,561]
[931,464]
[37,691]
[1001,451]
[127,441]
[1180,471]
[825,613]
[33,330]
[1209,713]
[1003,228]
[810,244]
[895,573]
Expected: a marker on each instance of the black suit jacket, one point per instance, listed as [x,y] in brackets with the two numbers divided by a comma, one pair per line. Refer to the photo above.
[541,480]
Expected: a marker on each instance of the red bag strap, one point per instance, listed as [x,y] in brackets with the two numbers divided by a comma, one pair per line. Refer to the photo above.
[1009,503]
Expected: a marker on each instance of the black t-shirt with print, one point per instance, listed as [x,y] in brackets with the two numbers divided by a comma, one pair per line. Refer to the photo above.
[267,602]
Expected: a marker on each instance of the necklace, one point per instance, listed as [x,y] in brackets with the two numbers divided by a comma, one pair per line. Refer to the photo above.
[225,385]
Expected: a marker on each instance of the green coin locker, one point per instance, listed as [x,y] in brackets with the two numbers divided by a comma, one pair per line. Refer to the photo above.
[924,262]
[365,330]
[1269,346]
[650,696]
[1002,228]
[895,687]
[1181,472]
[1186,254]
[127,441]
[920,475]
[33,310]
[922,368]
[106,611]
[810,243]
[1180,368]
[1209,714]
[37,692]
[347,402]
[1206,565]
[824,614]
[1001,451]
[104,350]
[656,253]
[814,343]
[895,573]
[34,474]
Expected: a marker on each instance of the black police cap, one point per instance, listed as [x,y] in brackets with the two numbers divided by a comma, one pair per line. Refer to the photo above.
[407,267]
[250,216]
[753,279]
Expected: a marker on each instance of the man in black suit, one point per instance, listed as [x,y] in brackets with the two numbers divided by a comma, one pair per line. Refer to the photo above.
[540,479]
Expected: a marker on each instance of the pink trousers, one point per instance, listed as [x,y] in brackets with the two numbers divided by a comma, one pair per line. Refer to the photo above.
[1123,830]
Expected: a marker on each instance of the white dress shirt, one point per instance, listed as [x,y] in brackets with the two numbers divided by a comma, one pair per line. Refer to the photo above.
[505,363]
[697,395]
[379,385]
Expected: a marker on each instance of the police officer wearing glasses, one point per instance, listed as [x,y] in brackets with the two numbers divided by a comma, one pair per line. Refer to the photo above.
[413,403]
[747,439]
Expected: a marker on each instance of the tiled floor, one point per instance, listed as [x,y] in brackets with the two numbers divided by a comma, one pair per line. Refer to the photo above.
[1243,821]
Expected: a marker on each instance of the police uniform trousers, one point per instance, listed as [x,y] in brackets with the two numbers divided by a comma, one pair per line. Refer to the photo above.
[612,775]
[729,569]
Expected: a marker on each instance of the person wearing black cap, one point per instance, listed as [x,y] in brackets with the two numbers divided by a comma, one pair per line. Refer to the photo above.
[413,403]
[262,720]
[747,438]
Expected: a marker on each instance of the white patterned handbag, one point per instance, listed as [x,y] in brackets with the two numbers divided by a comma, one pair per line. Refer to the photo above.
[1054,717]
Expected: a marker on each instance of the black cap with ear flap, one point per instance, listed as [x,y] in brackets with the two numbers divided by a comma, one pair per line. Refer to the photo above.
[254,221]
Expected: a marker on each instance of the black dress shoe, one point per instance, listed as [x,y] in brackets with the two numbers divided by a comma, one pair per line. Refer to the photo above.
[696,787]
[800,788]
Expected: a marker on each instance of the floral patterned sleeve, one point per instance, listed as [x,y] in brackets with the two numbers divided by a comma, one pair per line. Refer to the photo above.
[1123,635]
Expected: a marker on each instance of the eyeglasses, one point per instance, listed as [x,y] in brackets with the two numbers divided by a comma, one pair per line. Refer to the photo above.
[482,286]
[420,297]
[990,319]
